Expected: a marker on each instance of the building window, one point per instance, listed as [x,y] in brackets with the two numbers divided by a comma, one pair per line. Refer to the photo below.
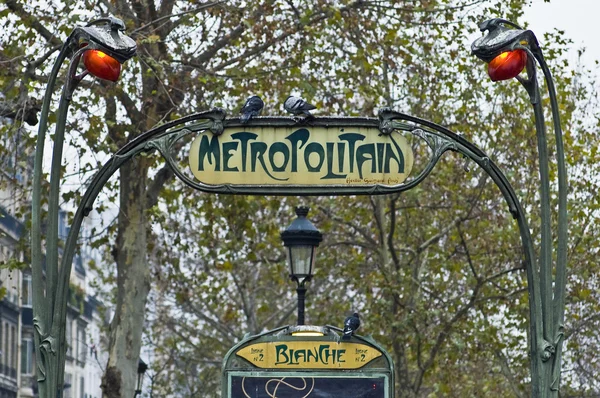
[26,297]
[82,351]
[13,353]
[6,356]
[81,387]
[27,356]
[69,337]
[68,387]
[2,350]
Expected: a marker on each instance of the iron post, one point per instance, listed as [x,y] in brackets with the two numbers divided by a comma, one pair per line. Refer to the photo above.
[50,290]
[301,290]
[546,278]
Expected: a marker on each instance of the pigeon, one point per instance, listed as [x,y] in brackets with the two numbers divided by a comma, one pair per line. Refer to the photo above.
[252,107]
[350,325]
[297,106]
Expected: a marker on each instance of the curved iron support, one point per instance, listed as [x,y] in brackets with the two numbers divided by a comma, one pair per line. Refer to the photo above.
[531,86]
[44,345]
[48,345]
[538,345]
[50,298]
[545,373]
[560,280]
[438,138]
[50,314]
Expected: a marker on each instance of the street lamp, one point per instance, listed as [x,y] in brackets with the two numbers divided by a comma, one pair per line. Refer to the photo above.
[508,49]
[302,239]
[142,368]
[103,47]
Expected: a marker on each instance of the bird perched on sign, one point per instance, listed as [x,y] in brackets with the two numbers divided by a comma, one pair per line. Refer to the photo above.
[297,106]
[253,107]
[350,325]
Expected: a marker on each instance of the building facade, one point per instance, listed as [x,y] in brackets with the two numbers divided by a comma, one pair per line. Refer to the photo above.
[11,257]
[84,360]
[86,357]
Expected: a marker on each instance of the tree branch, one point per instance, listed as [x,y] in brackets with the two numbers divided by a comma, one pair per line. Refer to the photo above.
[165,8]
[364,233]
[441,338]
[164,175]
[25,111]
[32,21]
[507,373]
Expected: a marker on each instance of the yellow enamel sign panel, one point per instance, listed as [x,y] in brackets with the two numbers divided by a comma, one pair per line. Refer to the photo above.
[311,156]
[309,355]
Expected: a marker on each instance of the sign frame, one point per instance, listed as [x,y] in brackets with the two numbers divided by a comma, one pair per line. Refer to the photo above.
[309,354]
[377,366]
[171,141]
[302,156]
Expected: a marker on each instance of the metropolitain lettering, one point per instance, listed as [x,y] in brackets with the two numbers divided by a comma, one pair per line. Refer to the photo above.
[349,155]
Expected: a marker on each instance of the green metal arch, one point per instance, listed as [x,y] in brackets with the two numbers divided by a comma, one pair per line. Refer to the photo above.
[439,139]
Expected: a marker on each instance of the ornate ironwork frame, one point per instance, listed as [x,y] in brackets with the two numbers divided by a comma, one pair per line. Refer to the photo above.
[546,305]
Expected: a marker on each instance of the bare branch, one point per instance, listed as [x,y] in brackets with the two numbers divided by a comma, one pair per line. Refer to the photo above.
[507,373]
[179,14]
[440,234]
[163,176]
[363,232]
[467,253]
[443,335]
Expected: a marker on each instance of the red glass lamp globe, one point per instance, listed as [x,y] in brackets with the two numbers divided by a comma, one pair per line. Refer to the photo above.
[507,65]
[102,65]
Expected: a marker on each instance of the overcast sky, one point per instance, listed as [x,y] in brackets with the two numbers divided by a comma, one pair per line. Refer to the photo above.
[578,18]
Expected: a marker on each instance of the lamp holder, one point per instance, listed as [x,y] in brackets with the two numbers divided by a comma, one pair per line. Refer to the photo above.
[142,367]
[104,34]
[300,284]
[500,39]
[301,231]
[298,238]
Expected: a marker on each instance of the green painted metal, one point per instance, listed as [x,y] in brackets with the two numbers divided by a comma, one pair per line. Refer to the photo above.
[234,365]
[548,282]
[50,290]
[546,293]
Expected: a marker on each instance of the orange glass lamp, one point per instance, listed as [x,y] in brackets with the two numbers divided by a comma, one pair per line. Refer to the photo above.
[507,65]
[102,65]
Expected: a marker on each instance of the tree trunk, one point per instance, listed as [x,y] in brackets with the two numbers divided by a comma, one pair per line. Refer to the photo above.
[133,282]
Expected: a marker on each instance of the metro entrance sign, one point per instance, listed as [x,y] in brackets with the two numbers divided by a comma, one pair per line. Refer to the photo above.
[308,354]
[306,362]
[315,156]
[268,155]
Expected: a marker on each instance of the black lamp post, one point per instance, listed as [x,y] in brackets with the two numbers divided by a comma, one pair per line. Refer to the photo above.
[142,368]
[302,239]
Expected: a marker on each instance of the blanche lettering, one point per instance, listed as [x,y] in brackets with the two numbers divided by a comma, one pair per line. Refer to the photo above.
[328,160]
[322,354]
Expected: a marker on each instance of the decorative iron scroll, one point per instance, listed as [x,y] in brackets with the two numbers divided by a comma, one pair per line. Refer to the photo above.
[319,156]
